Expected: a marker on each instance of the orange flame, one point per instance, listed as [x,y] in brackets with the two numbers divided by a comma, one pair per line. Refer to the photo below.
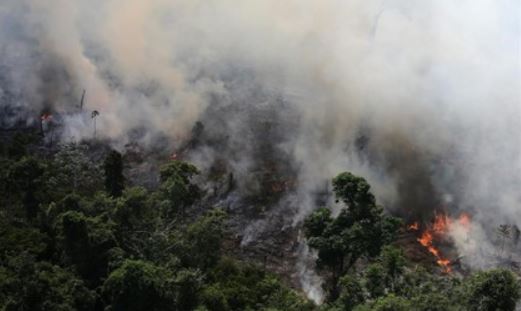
[441,225]
[413,227]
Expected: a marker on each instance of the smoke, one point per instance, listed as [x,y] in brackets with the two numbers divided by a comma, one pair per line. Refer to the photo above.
[421,98]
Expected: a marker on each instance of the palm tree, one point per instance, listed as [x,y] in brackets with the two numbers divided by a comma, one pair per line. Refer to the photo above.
[503,232]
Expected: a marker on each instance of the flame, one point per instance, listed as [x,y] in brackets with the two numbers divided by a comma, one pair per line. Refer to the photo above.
[441,226]
[426,240]
[414,226]
[441,223]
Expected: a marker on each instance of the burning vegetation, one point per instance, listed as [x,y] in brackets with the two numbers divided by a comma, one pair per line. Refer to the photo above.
[126,232]
[227,145]
[438,232]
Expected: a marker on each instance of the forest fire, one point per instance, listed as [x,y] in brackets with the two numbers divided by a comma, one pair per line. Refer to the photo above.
[437,231]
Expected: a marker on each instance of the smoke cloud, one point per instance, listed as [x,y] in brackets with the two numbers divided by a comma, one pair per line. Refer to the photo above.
[421,98]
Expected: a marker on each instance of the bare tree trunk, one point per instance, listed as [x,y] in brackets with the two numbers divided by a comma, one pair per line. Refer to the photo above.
[82,99]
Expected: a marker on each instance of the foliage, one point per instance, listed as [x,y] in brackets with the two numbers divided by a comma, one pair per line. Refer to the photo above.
[492,290]
[351,293]
[25,178]
[73,238]
[177,186]
[139,285]
[29,285]
[236,286]
[85,242]
[204,238]
[72,171]
[392,303]
[113,167]
[361,229]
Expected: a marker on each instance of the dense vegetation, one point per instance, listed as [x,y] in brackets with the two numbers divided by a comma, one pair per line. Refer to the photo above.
[74,237]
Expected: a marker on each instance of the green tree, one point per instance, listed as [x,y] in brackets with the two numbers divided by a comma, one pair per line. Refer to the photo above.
[72,171]
[492,290]
[233,285]
[15,240]
[433,302]
[17,147]
[135,210]
[114,180]
[375,280]
[26,178]
[177,186]
[393,261]
[188,284]
[201,243]
[351,292]
[29,285]
[139,285]
[86,242]
[361,229]
[392,303]
[137,218]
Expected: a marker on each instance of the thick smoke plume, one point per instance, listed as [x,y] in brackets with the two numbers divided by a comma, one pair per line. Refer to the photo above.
[422,98]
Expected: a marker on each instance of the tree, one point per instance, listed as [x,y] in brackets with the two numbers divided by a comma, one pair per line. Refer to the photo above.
[73,171]
[433,302]
[17,147]
[177,186]
[504,233]
[393,261]
[361,229]
[492,290]
[232,285]
[86,242]
[375,280]
[114,180]
[139,285]
[136,217]
[25,176]
[202,241]
[351,294]
[16,239]
[392,303]
[188,284]
[29,285]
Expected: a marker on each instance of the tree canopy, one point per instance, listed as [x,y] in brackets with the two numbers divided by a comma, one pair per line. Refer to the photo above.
[75,236]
